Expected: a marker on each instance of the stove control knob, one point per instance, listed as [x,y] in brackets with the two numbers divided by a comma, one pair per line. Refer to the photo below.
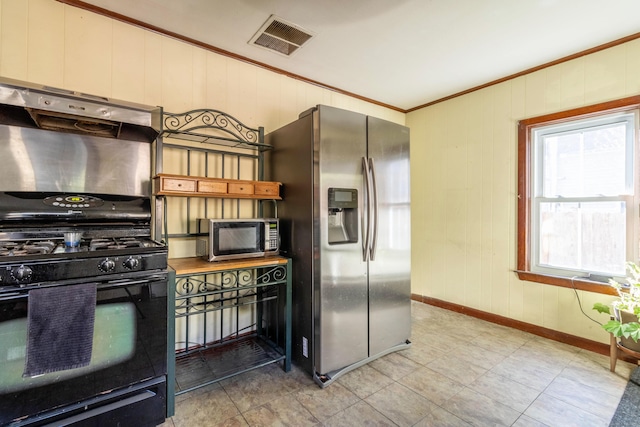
[131,263]
[21,273]
[107,265]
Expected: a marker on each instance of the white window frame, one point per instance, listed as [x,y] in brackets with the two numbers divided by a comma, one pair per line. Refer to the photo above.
[524,199]
[630,120]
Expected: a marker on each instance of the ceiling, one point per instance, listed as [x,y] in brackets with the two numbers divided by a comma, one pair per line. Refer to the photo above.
[400,53]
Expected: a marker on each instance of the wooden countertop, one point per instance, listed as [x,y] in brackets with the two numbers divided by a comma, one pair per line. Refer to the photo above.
[196,265]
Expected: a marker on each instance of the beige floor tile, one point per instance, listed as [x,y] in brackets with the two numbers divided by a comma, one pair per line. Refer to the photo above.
[477,356]
[606,381]
[419,329]
[237,421]
[587,397]
[458,369]
[360,414]
[504,344]
[480,410]
[285,411]
[438,417]
[601,363]
[465,330]
[196,392]
[512,378]
[432,385]
[257,387]
[554,412]
[437,341]
[551,362]
[558,351]
[323,403]
[420,312]
[589,358]
[365,381]
[525,372]
[394,365]
[513,394]
[525,421]
[401,405]
[422,352]
[209,408]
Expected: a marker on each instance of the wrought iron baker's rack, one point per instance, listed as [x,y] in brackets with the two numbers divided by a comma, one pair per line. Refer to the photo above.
[212,297]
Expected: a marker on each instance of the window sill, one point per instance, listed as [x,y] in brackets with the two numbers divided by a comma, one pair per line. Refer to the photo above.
[566,282]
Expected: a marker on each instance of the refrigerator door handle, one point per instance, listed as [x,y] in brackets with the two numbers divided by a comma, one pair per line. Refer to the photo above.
[374,216]
[366,212]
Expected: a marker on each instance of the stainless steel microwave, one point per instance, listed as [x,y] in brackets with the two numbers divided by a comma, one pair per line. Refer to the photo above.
[237,238]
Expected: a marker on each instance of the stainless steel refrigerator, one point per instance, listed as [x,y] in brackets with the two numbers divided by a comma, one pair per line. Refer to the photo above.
[346,223]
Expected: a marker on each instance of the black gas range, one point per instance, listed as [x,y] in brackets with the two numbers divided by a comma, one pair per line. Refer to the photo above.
[106,247]
[31,262]
[83,285]
[128,270]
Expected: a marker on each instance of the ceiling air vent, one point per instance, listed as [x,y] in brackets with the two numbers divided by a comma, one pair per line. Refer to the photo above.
[280,36]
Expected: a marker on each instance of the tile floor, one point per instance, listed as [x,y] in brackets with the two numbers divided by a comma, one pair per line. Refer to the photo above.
[489,376]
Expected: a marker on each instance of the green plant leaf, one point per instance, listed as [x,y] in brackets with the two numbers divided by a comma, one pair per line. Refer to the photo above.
[631,330]
[601,308]
[614,327]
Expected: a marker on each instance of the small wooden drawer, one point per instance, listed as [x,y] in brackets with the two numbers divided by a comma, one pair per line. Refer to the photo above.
[240,188]
[267,189]
[173,184]
[212,186]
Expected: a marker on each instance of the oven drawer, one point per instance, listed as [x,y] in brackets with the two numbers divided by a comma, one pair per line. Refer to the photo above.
[143,405]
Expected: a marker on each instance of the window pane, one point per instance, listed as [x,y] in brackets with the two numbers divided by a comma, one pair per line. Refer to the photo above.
[585,163]
[587,236]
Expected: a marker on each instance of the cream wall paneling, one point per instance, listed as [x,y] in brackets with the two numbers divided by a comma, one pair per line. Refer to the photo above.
[464,152]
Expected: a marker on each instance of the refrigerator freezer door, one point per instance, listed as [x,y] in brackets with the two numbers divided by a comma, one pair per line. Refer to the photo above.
[340,293]
[390,270]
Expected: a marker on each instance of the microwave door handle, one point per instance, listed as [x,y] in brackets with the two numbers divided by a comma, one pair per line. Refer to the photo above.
[365,216]
[375,217]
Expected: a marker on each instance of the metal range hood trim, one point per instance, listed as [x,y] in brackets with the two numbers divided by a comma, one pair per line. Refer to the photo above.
[55,100]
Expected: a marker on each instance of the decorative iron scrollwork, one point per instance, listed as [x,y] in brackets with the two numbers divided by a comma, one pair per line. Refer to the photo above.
[231,128]
[225,289]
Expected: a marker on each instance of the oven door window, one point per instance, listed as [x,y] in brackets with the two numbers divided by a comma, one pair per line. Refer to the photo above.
[129,346]
[114,341]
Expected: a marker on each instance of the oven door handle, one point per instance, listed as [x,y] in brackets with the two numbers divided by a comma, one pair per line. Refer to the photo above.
[126,283]
[135,281]
[112,284]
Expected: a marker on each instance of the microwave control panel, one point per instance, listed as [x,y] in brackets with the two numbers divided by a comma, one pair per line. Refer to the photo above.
[271,238]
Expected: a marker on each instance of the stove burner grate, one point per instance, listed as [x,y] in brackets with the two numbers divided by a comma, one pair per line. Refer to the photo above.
[27,248]
[16,248]
[115,243]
